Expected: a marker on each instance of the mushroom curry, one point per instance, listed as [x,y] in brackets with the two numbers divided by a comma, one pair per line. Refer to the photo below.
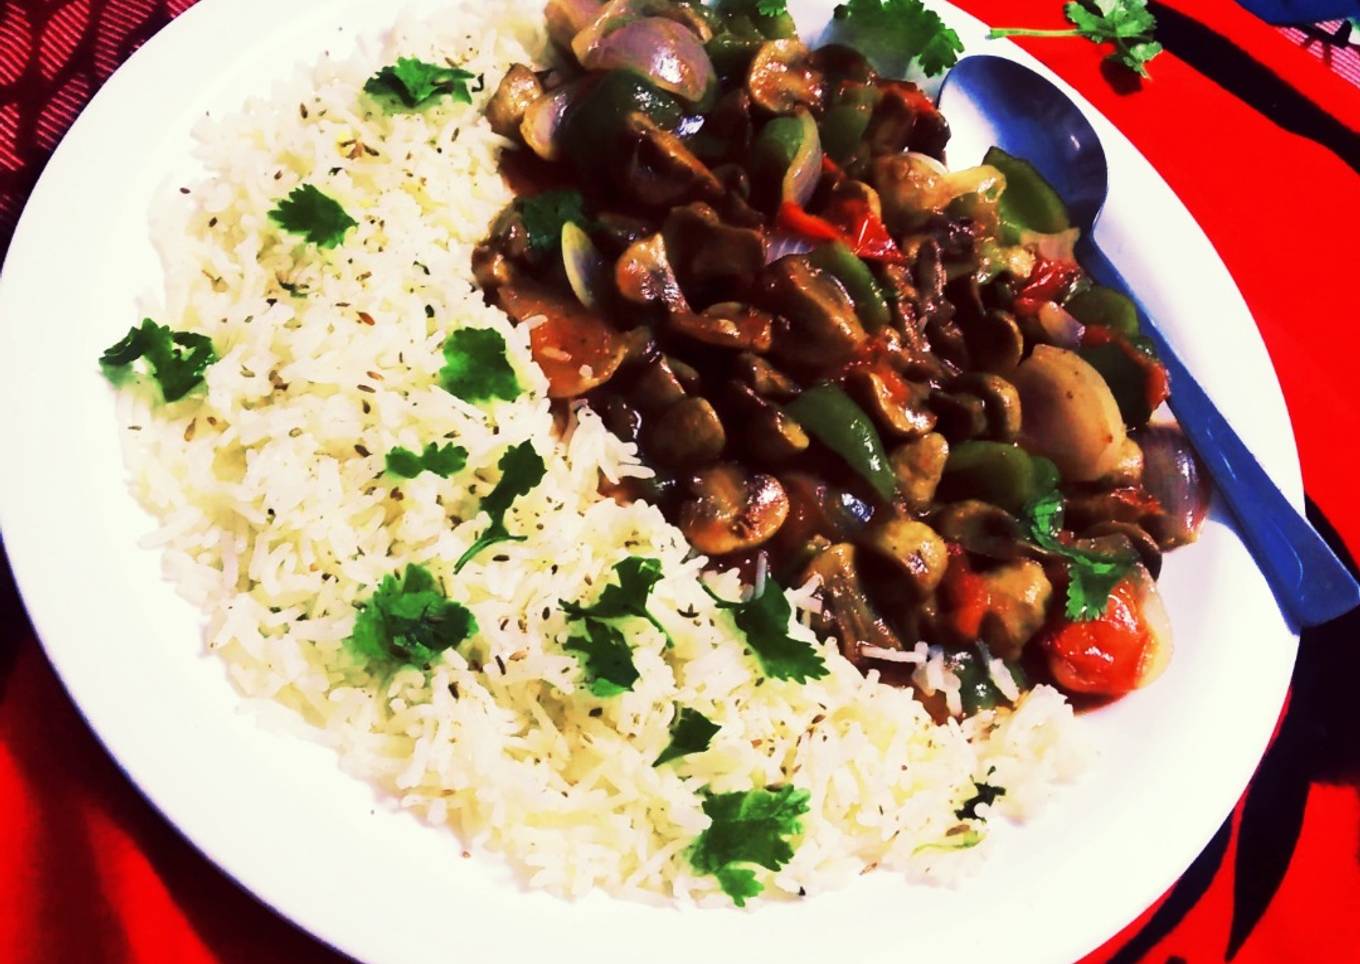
[843,361]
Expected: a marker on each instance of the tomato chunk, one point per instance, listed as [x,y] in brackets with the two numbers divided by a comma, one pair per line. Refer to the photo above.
[1102,656]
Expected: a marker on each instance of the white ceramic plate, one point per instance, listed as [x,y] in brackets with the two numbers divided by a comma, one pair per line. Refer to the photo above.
[277,814]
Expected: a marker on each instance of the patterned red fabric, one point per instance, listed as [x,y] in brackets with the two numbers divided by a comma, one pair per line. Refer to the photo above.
[1254,134]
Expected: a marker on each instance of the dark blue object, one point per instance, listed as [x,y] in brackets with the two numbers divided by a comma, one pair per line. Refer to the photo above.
[1033,119]
[1301,11]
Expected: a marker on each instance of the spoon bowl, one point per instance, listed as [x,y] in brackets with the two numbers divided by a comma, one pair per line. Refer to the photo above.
[1010,106]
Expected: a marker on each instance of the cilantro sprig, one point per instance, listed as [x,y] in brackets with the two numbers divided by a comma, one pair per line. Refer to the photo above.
[894,33]
[636,578]
[1092,576]
[443,461]
[983,793]
[1128,24]
[607,658]
[750,827]
[411,84]
[691,732]
[409,621]
[543,216]
[521,469]
[316,216]
[477,366]
[764,620]
[175,359]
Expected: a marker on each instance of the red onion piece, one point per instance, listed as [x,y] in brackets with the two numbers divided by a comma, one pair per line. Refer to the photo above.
[781,244]
[1172,475]
[665,52]
[1060,326]
[543,120]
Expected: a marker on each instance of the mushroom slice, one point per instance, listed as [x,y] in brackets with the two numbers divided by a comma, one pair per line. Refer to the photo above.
[782,79]
[914,549]
[818,320]
[919,466]
[962,416]
[727,325]
[898,405]
[848,610]
[731,510]
[981,528]
[765,380]
[1000,401]
[517,92]
[490,267]
[706,251]
[661,171]
[643,275]
[769,432]
[1124,539]
[657,386]
[995,342]
[1071,415]
[688,433]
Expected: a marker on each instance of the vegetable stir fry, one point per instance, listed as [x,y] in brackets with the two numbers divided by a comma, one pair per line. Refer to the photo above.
[845,361]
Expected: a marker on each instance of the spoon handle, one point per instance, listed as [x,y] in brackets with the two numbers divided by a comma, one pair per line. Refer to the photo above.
[1310,583]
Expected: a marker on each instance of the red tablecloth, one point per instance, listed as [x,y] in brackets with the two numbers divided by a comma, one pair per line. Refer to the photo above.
[1258,138]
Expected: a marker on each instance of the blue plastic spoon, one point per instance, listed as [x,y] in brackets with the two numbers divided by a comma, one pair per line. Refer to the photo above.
[1033,119]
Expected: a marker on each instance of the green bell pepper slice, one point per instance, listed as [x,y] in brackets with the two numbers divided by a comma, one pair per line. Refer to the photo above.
[591,131]
[1098,305]
[834,419]
[1029,202]
[741,15]
[844,124]
[870,304]
[997,472]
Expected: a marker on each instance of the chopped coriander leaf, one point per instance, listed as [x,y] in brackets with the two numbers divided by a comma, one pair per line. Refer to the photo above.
[607,658]
[521,469]
[894,33]
[691,732]
[477,367]
[1127,24]
[748,827]
[175,359]
[772,8]
[544,215]
[1091,575]
[983,793]
[442,461]
[413,84]
[318,218]
[764,619]
[636,577]
[954,841]
[409,621]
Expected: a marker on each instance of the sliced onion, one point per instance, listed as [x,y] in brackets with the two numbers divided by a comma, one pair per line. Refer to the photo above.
[610,17]
[1172,475]
[1071,416]
[665,52]
[1055,247]
[584,265]
[781,244]
[805,170]
[1157,653]
[567,18]
[1060,326]
[543,120]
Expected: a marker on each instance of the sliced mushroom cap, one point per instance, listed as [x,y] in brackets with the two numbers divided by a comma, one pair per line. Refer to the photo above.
[919,466]
[995,342]
[962,416]
[1000,400]
[1121,539]
[847,608]
[1071,416]
[1018,594]
[727,325]
[770,434]
[781,78]
[704,251]
[731,510]
[818,320]
[686,434]
[518,90]
[660,171]
[896,404]
[911,187]
[765,380]
[981,528]
[914,549]
[490,267]
[617,231]
[657,386]
[643,275]
[576,348]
